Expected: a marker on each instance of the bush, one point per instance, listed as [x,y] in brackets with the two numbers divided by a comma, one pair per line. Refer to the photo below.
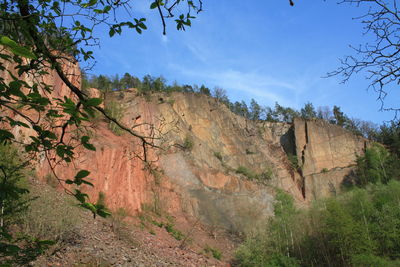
[294,162]
[251,175]
[214,252]
[218,155]
[265,175]
[188,143]
[246,172]
[178,235]
[115,110]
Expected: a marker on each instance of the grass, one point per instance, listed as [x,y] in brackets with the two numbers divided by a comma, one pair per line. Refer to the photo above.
[51,216]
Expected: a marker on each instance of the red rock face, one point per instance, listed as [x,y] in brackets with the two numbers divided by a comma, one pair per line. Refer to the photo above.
[115,171]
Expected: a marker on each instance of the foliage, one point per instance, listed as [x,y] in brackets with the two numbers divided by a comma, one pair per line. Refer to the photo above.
[31,220]
[13,201]
[115,110]
[12,188]
[265,175]
[188,143]
[218,155]
[294,161]
[308,111]
[358,228]
[178,235]
[214,252]
[246,172]
[377,165]
[251,175]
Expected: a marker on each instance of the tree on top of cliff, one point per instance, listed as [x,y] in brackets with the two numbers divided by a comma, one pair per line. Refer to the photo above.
[379,59]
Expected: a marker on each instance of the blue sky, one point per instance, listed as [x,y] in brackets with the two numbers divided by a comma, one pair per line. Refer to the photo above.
[258,49]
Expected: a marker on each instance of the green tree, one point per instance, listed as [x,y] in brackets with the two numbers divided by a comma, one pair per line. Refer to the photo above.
[255,110]
[11,182]
[284,114]
[308,111]
[339,117]
[15,247]
[204,90]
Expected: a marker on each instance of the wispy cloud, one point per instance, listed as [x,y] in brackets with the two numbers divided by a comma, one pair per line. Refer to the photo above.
[198,51]
[267,89]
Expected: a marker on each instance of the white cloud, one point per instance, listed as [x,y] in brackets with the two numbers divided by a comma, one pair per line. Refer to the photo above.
[255,85]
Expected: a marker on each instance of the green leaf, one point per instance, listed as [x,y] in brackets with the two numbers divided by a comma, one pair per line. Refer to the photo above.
[111,32]
[4,40]
[88,183]
[142,25]
[15,89]
[85,139]
[89,206]
[153,5]
[16,48]
[94,102]
[4,135]
[89,146]
[69,181]
[85,142]
[82,174]
[103,213]
[80,196]
[106,9]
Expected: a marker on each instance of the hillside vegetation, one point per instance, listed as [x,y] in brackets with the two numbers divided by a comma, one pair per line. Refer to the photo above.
[360,227]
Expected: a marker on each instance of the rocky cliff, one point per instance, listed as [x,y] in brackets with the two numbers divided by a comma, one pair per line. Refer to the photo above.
[211,164]
[327,153]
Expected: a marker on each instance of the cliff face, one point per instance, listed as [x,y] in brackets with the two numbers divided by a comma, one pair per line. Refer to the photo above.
[327,153]
[206,153]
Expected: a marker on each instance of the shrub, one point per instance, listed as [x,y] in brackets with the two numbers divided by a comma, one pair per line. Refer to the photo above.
[214,252]
[115,110]
[325,170]
[294,162]
[246,172]
[188,143]
[178,235]
[218,155]
[265,175]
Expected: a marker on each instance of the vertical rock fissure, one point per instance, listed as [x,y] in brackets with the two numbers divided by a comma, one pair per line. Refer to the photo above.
[303,159]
